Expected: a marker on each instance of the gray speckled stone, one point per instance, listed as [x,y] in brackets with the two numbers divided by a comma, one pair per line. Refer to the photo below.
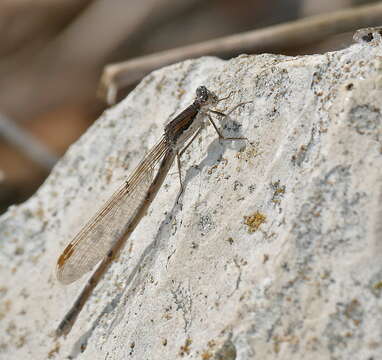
[275,250]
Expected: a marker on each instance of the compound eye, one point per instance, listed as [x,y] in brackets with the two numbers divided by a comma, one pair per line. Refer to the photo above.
[202,93]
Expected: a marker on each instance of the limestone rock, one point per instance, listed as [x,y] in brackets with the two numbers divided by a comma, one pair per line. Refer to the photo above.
[273,250]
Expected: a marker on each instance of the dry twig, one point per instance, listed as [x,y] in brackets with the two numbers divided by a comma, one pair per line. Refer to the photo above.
[26,143]
[291,34]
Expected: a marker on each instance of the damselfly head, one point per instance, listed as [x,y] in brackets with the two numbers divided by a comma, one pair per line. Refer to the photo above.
[205,97]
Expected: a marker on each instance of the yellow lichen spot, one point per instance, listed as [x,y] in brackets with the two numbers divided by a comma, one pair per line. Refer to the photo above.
[206,355]
[185,349]
[254,221]
[40,213]
[5,307]
[167,316]
[230,240]
[280,190]
[180,93]
[247,154]
[276,345]
[211,343]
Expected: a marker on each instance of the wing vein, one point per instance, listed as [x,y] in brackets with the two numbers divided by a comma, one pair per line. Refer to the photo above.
[97,237]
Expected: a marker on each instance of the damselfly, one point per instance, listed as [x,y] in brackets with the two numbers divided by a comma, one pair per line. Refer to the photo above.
[105,234]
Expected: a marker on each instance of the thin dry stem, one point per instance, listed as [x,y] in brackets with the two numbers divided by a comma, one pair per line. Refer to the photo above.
[291,34]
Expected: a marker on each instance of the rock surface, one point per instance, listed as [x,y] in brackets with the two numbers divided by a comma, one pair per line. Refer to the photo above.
[273,251]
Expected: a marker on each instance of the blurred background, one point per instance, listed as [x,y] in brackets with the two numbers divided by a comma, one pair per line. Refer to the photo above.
[53,52]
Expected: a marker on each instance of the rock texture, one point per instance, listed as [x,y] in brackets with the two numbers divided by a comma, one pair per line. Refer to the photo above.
[273,250]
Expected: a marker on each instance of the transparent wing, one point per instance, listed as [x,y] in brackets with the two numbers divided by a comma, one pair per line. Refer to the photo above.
[97,237]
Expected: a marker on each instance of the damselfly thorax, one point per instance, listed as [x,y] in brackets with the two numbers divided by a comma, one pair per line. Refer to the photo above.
[190,120]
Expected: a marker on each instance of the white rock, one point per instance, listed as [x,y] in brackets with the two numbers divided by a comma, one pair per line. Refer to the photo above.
[193,280]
